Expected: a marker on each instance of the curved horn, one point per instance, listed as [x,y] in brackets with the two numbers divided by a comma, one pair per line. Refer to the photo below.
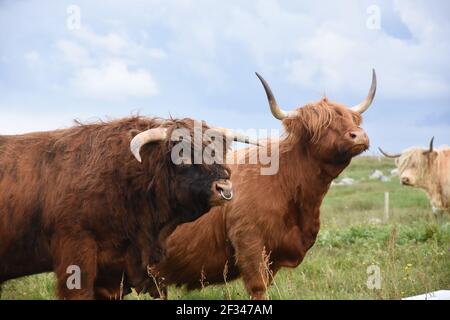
[431,146]
[141,139]
[236,136]
[277,112]
[387,155]
[363,106]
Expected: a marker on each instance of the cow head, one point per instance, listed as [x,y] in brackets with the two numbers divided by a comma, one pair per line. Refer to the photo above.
[329,132]
[192,182]
[413,164]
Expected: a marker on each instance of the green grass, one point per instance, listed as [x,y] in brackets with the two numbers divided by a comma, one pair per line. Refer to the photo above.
[411,249]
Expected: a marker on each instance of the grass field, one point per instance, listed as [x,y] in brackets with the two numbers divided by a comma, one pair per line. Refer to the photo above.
[410,248]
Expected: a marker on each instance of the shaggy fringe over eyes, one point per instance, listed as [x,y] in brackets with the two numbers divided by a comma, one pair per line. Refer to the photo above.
[414,155]
[312,120]
[315,118]
[198,146]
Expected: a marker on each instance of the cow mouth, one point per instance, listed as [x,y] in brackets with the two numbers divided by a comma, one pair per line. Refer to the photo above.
[358,148]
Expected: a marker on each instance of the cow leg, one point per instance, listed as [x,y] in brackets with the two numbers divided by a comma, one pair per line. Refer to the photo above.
[111,285]
[253,267]
[75,265]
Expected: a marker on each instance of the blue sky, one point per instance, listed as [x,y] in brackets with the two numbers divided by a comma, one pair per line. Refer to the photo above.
[198,58]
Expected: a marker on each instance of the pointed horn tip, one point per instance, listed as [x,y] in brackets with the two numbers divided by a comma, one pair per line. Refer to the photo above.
[135,151]
[277,112]
[137,156]
[363,106]
[431,144]
[388,155]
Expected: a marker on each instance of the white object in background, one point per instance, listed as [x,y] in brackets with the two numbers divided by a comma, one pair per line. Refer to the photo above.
[344,182]
[376,175]
[386,206]
[436,295]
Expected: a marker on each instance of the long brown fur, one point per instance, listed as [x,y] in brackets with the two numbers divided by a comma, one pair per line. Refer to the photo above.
[277,214]
[78,197]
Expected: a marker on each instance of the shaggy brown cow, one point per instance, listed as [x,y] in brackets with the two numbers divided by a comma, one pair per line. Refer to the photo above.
[78,197]
[274,219]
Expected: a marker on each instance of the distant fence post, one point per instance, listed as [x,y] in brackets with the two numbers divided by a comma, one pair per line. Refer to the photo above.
[386,206]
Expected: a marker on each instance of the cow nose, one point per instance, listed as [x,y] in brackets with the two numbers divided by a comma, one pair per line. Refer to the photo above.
[358,136]
[405,181]
[225,189]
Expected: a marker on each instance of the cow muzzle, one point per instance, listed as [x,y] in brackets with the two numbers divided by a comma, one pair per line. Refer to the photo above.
[359,140]
[406,181]
[359,137]
[223,190]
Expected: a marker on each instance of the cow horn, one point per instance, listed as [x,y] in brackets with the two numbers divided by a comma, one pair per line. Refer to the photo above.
[141,139]
[363,106]
[387,155]
[277,112]
[236,136]
[431,146]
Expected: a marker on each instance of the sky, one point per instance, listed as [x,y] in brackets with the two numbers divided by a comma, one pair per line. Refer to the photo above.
[90,60]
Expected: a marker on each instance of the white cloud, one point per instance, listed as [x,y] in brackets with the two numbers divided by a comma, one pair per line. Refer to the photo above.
[33,58]
[111,42]
[322,46]
[109,66]
[20,121]
[73,52]
[339,56]
[113,79]
[116,44]
[155,53]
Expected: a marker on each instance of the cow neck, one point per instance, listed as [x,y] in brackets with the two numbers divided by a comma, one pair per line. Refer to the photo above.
[433,185]
[433,188]
[305,178]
